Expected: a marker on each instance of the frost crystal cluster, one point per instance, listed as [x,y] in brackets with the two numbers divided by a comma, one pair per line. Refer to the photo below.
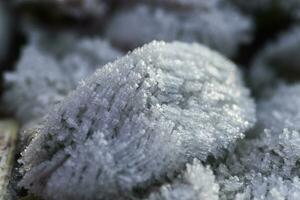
[221,27]
[41,79]
[266,165]
[197,182]
[137,122]
[278,62]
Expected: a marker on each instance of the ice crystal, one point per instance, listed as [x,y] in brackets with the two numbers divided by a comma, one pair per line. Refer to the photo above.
[137,121]
[222,29]
[256,186]
[41,80]
[197,182]
[266,165]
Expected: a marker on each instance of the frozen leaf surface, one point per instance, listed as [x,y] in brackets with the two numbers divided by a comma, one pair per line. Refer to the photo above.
[137,121]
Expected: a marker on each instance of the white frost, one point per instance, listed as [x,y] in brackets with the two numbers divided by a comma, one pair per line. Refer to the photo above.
[41,79]
[266,164]
[223,29]
[197,182]
[137,121]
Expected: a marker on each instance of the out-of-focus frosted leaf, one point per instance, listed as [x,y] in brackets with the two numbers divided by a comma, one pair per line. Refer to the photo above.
[42,79]
[223,29]
[282,110]
[278,62]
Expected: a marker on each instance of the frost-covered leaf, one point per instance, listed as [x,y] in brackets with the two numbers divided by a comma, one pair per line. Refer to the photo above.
[137,121]
[42,78]
[37,83]
[223,29]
